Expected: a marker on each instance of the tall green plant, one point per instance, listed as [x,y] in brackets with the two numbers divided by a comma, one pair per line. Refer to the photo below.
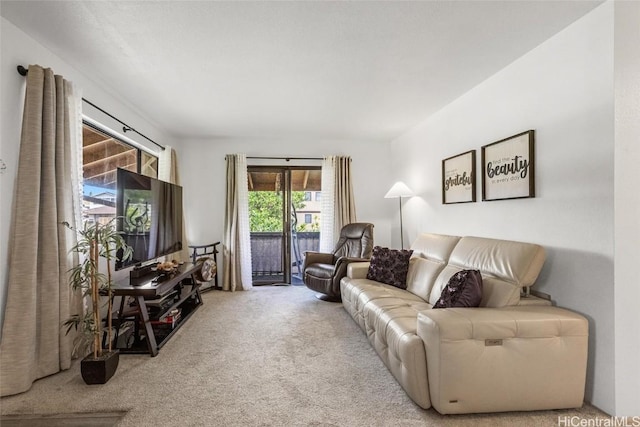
[265,209]
[95,241]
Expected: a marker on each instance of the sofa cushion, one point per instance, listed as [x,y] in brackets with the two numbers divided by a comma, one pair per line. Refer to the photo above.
[463,290]
[506,267]
[517,263]
[356,293]
[422,275]
[389,266]
[430,255]
[435,247]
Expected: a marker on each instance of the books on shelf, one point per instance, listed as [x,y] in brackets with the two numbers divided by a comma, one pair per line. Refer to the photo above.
[173,316]
[169,321]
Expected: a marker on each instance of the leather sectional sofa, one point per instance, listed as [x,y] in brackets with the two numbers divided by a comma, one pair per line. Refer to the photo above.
[515,352]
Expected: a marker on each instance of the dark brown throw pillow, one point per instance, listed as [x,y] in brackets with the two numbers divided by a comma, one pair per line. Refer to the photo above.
[389,266]
[463,290]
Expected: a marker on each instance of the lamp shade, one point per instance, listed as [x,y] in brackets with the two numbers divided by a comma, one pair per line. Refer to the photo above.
[399,189]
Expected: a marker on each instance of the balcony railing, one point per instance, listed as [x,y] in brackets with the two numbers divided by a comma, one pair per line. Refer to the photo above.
[266,254]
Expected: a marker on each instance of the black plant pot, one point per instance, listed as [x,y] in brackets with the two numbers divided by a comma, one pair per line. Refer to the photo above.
[99,370]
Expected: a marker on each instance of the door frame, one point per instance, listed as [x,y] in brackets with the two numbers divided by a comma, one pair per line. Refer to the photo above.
[286,210]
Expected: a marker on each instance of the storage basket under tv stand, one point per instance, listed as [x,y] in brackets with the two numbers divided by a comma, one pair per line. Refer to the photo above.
[150,333]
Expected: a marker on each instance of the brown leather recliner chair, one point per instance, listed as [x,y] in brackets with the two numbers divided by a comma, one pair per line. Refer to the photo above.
[322,272]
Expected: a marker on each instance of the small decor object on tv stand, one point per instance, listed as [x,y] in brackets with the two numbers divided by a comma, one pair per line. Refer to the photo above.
[167,267]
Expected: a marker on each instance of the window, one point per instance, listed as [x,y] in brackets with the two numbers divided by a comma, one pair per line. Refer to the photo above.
[102,154]
[307,196]
[318,196]
[307,218]
[148,164]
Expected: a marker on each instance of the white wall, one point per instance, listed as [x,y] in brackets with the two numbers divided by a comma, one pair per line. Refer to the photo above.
[203,175]
[563,89]
[627,207]
[20,49]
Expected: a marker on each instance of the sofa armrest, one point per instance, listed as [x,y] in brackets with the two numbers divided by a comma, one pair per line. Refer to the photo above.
[504,359]
[358,270]
[340,268]
[349,260]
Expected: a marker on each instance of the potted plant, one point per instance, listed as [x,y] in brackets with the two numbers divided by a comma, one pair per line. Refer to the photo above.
[95,241]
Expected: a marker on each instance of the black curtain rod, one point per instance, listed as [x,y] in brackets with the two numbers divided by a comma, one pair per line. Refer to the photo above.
[125,127]
[286,158]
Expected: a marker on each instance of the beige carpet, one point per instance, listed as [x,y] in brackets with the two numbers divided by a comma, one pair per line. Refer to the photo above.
[271,356]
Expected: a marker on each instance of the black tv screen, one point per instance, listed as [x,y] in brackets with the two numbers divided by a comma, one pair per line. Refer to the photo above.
[149,213]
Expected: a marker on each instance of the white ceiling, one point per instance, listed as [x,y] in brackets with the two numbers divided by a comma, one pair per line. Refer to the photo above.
[310,70]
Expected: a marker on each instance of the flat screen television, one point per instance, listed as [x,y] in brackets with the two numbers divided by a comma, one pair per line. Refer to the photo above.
[149,213]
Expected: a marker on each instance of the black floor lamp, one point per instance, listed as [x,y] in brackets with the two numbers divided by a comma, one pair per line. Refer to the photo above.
[399,190]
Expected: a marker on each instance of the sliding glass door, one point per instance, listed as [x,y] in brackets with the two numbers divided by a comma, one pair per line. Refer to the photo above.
[284,214]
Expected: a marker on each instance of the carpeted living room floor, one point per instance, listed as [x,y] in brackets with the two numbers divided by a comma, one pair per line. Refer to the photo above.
[272,356]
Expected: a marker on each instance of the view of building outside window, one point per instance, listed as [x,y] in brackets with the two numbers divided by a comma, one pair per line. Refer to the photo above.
[309,215]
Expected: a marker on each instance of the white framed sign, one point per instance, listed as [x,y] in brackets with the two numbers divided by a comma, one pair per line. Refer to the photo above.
[508,168]
[459,178]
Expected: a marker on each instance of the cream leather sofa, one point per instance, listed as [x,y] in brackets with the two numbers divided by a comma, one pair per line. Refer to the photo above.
[515,352]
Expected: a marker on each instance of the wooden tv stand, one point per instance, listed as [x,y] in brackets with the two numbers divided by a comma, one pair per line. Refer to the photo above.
[154,298]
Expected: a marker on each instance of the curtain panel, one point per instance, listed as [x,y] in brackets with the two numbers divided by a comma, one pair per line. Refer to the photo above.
[236,243]
[168,172]
[338,206]
[345,206]
[327,205]
[39,298]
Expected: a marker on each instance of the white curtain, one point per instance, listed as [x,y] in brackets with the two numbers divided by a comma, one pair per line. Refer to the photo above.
[327,206]
[168,172]
[236,249]
[39,297]
[338,203]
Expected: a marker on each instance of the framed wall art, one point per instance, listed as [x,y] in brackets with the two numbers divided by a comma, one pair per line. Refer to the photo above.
[508,168]
[459,178]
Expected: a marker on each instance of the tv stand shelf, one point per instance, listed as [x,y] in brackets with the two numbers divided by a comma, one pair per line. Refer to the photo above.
[154,299]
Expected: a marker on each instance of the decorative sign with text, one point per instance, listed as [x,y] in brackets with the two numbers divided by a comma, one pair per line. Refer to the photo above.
[459,178]
[507,168]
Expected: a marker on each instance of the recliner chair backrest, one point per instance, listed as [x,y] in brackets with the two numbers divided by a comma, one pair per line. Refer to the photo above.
[356,240]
